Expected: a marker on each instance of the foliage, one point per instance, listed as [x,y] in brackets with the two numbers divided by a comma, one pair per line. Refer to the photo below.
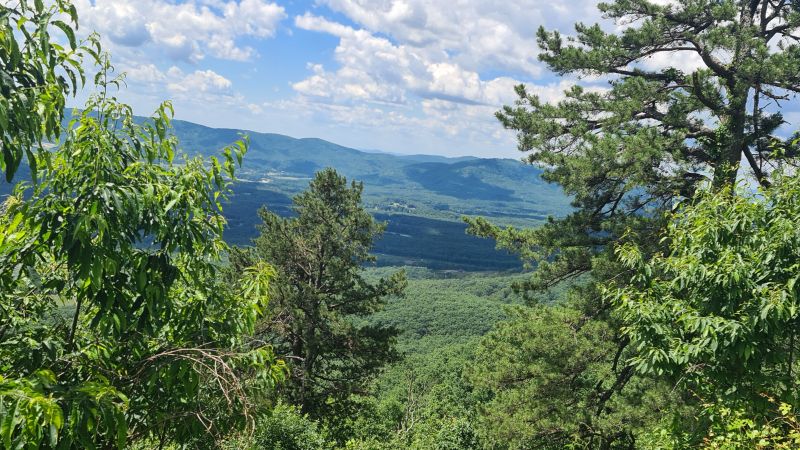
[626,151]
[733,429]
[37,74]
[428,400]
[113,324]
[719,308]
[319,292]
[434,313]
[548,372]
[120,323]
[285,428]
[422,402]
[629,151]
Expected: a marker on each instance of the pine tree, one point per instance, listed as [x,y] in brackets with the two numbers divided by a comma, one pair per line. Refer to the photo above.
[320,293]
[653,135]
[629,151]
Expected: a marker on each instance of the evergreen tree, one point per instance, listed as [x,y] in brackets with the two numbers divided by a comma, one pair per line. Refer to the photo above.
[629,151]
[654,134]
[319,294]
[540,372]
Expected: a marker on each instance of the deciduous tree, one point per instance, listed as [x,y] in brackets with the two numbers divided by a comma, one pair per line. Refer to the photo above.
[113,324]
[719,310]
[40,67]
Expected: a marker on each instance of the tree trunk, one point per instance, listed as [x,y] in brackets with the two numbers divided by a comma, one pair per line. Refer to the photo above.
[732,149]
[308,366]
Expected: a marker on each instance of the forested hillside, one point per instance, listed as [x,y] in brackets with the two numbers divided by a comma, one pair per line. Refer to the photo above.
[422,198]
[427,185]
[165,285]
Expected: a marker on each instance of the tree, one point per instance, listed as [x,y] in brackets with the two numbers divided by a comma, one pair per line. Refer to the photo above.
[37,74]
[421,402]
[540,372]
[283,429]
[629,151]
[319,294]
[114,326]
[719,309]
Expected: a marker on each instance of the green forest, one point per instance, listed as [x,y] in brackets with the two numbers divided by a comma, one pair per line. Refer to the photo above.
[659,311]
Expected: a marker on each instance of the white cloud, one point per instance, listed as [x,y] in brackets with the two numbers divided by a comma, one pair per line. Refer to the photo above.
[198,82]
[477,34]
[686,61]
[444,65]
[385,83]
[254,108]
[198,85]
[147,73]
[186,31]
[372,68]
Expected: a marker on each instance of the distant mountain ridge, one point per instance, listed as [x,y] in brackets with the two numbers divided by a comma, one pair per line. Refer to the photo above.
[432,185]
[421,197]
[284,149]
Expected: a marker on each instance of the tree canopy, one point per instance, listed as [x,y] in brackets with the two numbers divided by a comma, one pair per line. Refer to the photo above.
[319,294]
[37,75]
[655,133]
[114,324]
[718,310]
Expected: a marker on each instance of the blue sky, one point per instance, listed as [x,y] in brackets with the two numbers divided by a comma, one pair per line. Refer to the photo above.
[406,76]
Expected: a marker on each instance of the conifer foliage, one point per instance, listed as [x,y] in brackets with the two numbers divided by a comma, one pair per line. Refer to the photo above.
[656,131]
[319,294]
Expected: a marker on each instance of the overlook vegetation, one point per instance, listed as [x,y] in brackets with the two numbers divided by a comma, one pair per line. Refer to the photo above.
[659,311]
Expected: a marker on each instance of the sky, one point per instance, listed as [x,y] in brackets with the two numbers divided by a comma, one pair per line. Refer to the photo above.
[403,76]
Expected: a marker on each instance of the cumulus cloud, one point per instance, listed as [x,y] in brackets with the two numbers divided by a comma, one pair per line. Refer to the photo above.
[187,31]
[478,35]
[198,82]
[411,82]
[145,73]
[373,68]
[445,65]
[197,85]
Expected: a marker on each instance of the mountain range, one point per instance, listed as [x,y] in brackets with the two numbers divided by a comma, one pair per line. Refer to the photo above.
[421,197]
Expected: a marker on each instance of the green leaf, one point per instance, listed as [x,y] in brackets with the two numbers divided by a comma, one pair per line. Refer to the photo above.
[68,31]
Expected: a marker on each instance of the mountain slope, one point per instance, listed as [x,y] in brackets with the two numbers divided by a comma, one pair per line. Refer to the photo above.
[428,185]
[421,197]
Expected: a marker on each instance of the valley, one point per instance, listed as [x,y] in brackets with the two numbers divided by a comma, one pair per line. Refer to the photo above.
[422,198]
